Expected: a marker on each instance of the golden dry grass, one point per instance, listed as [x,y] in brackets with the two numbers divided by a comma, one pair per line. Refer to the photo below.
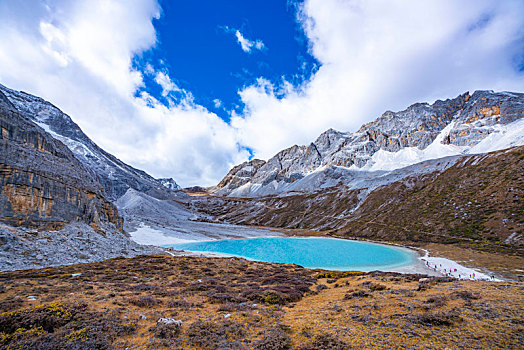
[229,303]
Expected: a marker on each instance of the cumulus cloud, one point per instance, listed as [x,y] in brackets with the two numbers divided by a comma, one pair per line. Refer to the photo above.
[248,45]
[79,54]
[374,56]
[380,55]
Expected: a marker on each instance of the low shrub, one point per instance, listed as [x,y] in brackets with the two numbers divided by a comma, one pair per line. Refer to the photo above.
[377,286]
[465,295]
[180,304]
[324,341]
[166,331]
[273,339]
[223,335]
[437,318]
[143,287]
[144,301]
[356,295]
[436,301]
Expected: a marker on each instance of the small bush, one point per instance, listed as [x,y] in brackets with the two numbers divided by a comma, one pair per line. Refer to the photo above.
[465,295]
[357,295]
[143,287]
[324,341]
[273,297]
[436,301]
[273,339]
[377,286]
[223,335]
[180,304]
[437,318]
[321,287]
[229,307]
[166,331]
[224,298]
[144,301]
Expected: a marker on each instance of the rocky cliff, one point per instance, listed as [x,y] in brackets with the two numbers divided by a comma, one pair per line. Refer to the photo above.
[115,176]
[392,141]
[42,184]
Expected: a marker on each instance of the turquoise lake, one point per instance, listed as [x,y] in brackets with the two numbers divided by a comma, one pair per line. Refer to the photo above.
[310,252]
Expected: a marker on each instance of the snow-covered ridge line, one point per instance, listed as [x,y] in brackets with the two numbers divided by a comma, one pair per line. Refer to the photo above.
[479,123]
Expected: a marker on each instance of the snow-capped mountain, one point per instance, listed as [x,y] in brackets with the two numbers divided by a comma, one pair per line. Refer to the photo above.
[169,183]
[115,176]
[482,122]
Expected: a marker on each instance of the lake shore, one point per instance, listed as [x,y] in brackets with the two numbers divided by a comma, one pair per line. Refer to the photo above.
[427,263]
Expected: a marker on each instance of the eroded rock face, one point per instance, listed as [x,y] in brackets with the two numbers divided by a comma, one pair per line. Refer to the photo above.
[241,173]
[115,176]
[481,115]
[469,118]
[42,184]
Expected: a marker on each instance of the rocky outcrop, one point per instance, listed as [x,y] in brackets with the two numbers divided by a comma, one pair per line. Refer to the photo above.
[482,114]
[241,174]
[169,183]
[42,184]
[115,176]
[462,122]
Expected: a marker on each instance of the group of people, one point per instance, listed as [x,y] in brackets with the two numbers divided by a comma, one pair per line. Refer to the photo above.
[453,272]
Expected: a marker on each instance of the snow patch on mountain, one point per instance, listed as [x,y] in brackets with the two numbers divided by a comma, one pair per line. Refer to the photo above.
[505,136]
[385,160]
[149,236]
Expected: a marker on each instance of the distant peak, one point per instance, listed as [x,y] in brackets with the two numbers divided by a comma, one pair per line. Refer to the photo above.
[169,183]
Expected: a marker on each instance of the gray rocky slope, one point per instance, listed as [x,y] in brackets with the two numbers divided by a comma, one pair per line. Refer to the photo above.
[393,141]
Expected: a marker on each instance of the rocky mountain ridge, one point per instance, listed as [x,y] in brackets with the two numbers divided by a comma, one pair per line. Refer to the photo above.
[42,184]
[115,176]
[392,141]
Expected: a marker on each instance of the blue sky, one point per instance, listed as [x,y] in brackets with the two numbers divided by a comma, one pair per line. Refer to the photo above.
[189,88]
[197,44]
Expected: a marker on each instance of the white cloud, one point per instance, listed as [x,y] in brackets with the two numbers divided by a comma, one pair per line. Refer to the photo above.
[380,55]
[217,103]
[374,55]
[162,79]
[78,55]
[248,45]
